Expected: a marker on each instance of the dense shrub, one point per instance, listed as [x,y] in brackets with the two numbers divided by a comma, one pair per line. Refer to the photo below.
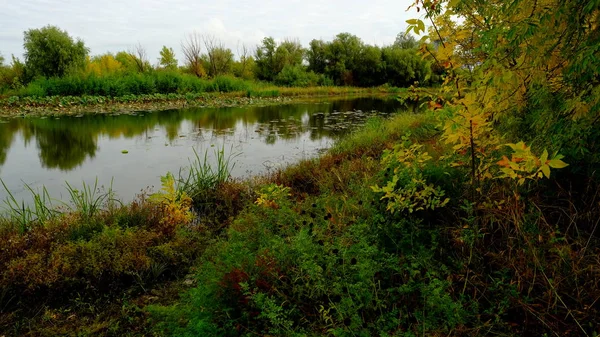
[111,250]
[298,76]
[158,82]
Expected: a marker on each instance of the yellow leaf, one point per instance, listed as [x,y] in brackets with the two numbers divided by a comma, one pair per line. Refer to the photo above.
[557,163]
[453,3]
[514,165]
[518,146]
[544,157]
[546,170]
[420,26]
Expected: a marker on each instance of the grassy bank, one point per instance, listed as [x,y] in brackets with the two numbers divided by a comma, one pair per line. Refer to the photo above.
[383,235]
[63,96]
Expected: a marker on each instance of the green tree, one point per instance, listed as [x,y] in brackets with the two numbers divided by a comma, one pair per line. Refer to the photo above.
[3,74]
[11,76]
[402,67]
[368,68]
[167,58]
[405,41]
[51,52]
[245,65]
[219,59]
[316,55]
[296,76]
[265,59]
[343,53]
[140,58]
[272,58]
[289,53]
[128,61]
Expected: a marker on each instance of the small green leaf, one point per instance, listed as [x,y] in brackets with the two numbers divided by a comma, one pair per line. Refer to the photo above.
[124,152]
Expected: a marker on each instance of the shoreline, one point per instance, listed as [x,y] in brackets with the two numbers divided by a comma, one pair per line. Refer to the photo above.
[82,105]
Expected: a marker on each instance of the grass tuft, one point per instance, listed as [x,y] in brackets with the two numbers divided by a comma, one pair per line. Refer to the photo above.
[90,199]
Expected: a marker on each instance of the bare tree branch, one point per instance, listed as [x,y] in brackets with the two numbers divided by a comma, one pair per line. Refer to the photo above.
[139,56]
[243,53]
[192,52]
[211,44]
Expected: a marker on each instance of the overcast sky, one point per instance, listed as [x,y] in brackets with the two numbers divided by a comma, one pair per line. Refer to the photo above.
[115,25]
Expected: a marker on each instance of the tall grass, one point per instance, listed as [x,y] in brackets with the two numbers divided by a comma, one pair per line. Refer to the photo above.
[89,200]
[202,176]
[159,82]
[377,132]
[25,215]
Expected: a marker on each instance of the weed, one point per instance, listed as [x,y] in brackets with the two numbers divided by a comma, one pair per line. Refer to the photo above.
[203,176]
[23,214]
[175,204]
[89,200]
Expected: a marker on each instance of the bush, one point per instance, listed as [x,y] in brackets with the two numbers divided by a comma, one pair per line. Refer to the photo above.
[76,254]
[282,263]
[158,82]
[227,84]
[297,76]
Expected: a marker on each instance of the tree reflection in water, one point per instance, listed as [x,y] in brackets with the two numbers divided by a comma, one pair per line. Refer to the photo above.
[67,142]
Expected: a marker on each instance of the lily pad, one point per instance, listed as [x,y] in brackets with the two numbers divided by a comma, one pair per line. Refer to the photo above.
[124,152]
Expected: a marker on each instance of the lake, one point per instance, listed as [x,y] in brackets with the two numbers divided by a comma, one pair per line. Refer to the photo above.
[134,150]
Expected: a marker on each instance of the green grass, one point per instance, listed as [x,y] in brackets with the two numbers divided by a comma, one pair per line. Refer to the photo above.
[23,215]
[90,199]
[202,175]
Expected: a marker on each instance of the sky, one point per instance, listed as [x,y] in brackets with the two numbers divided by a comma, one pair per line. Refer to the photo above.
[117,25]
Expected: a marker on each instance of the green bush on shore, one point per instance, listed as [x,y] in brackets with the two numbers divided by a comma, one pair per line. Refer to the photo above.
[159,82]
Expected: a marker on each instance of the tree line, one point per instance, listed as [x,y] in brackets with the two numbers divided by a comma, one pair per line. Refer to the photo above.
[346,60]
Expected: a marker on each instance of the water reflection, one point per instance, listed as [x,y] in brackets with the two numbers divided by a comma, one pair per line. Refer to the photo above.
[91,146]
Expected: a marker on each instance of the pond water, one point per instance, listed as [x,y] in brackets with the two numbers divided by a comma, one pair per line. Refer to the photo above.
[134,150]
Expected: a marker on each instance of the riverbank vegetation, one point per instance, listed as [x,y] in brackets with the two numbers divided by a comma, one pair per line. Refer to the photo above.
[67,70]
[329,245]
[256,94]
[476,217]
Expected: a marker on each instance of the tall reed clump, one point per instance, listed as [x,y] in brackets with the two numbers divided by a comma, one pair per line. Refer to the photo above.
[23,215]
[215,195]
[202,175]
[90,199]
